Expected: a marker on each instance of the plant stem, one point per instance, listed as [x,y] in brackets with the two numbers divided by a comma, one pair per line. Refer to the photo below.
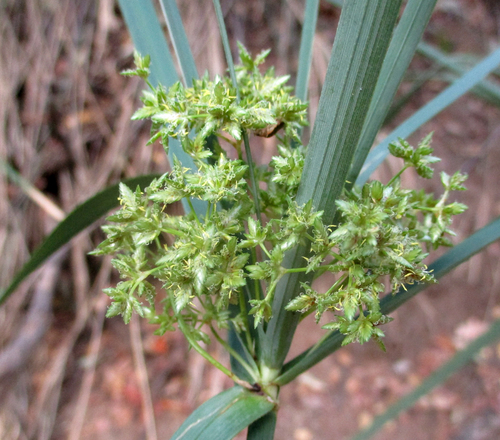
[398,174]
[244,315]
[193,211]
[296,270]
[265,250]
[207,356]
[236,355]
[254,186]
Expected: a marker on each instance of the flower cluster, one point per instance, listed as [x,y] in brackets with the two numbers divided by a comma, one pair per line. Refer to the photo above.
[262,105]
[223,265]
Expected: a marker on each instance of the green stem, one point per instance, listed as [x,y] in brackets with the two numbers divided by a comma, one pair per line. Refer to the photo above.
[230,142]
[193,211]
[397,175]
[258,287]
[244,315]
[209,209]
[265,250]
[253,187]
[204,353]
[225,44]
[296,270]
[251,371]
[337,285]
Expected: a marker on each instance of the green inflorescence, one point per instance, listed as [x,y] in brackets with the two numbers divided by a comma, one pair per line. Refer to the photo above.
[227,256]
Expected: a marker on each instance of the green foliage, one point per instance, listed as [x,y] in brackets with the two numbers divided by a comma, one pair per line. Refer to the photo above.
[381,234]
[227,256]
[212,108]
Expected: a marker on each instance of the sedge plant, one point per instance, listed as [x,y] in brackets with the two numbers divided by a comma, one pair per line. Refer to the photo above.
[206,272]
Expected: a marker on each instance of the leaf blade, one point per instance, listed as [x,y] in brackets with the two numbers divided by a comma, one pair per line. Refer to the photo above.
[224,415]
[428,111]
[486,89]
[148,38]
[401,50]
[362,39]
[179,41]
[76,221]
[306,48]
[147,35]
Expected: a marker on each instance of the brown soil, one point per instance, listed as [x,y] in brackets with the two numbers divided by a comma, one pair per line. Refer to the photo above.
[66,128]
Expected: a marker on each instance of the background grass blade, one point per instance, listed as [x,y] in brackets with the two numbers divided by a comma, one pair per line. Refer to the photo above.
[401,51]
[76,221]
[179,41]
[435,379]
[431,109]
[486,90]
[306,48]
[147,35]
[32,192]
[362,39]
[148,39]
[224,416]
[454,257]
[226,45]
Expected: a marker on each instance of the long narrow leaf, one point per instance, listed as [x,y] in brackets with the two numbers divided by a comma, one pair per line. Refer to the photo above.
[454,257]
[431,109]
[147,35]
[148,38]
[435,379]
[224,416]
[76,221]
[306,48]
[31,191]
[363,35]
[485,89]
[179,41]
[225,44]
[401,50]
[263,428]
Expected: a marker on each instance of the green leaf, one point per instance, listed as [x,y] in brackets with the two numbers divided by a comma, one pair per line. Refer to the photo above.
[147,35]
[454,257]
[263,428]
[76,221]
[428,111]
[362,39]
[227,47]
[224,416]
[148,38]
[486,90]
[435,379]
[401,51]
[179,41]
[306,48]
